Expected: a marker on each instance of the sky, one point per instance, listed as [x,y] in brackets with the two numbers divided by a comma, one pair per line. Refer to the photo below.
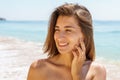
[42,9]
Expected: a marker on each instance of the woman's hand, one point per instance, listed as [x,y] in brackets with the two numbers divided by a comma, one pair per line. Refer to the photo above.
[78,60]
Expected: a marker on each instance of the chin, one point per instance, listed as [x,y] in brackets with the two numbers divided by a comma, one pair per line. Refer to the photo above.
[65,52]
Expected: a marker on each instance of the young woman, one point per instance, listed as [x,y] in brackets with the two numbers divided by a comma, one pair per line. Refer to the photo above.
[70,47]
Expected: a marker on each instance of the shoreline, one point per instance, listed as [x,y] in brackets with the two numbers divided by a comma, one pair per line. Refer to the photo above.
[17,55]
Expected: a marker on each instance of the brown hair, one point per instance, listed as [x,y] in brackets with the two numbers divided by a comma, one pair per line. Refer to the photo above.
[83,16]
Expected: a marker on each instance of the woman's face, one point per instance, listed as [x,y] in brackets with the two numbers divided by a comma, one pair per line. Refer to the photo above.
[67,34]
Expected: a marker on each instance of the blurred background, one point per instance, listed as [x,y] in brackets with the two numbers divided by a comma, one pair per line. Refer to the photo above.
[23,29]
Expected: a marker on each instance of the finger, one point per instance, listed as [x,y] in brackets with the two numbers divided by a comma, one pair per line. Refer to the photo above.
[82,45]
[80,54]
[79,50]
[83,49]
[74,54]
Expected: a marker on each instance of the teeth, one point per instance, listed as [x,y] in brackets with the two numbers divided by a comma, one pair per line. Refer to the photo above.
[63,44]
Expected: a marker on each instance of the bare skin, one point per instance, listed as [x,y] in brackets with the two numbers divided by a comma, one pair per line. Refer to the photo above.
[48,70]
[71,62]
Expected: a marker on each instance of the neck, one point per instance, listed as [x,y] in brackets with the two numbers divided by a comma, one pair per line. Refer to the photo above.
[64,59]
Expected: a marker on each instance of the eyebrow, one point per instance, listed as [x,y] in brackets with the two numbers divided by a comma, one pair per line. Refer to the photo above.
[65,27]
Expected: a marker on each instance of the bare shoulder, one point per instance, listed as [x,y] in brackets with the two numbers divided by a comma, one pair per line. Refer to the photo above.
[99,71]
[36,70]
[98,67]
[38,64]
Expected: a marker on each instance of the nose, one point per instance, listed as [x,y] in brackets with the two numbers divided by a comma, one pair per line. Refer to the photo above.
[62,34]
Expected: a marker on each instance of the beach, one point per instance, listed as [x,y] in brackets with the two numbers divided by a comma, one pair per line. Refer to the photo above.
[17,56]
[21,43]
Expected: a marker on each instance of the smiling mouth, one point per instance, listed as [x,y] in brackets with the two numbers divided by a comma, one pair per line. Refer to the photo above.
[62,44]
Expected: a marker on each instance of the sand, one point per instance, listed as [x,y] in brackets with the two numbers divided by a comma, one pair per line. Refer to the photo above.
[16,56]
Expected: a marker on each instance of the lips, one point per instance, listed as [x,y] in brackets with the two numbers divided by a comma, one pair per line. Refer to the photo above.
[62,45]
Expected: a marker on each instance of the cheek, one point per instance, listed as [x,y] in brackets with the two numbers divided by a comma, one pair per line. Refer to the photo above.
[75,40]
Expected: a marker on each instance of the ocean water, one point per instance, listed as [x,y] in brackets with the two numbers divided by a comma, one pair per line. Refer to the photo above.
[107,39]
[25,30]
[21,43]
[106,34]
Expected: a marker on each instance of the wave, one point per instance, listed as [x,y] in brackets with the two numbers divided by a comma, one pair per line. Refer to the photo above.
[16,56]
[14,43]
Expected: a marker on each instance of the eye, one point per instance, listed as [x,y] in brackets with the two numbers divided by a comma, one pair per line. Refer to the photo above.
[68,30]
[56,30]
